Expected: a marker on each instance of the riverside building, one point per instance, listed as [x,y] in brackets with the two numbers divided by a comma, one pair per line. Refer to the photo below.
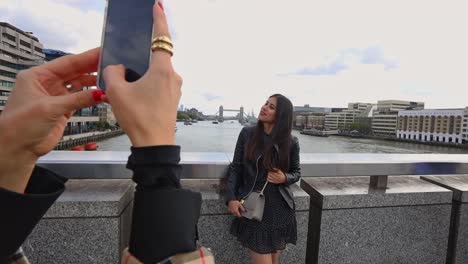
[465,126]
[307,117]
[19,50]
[344,119]
[434,125]
[309,121]
[384,118]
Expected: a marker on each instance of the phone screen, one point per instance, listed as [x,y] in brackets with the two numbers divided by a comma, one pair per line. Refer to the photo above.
[127,35]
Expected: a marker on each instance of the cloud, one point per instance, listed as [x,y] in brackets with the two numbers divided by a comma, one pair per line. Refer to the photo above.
[84,5]
[71,25]
[68,25]
[375,55]
[330,69]
[212,97]
[370,50]
[346,59]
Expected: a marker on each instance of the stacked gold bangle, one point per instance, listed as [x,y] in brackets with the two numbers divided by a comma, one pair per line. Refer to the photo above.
[163,43]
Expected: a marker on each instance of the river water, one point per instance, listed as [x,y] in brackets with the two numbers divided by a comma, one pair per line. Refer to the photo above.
[207,137]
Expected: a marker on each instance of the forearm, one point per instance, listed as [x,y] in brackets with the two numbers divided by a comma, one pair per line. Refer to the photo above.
[15,177]
[235,168]
[21,212]
[292,177]
[294,173]
[232,182]
[156,167]
[164,215]
[16,166]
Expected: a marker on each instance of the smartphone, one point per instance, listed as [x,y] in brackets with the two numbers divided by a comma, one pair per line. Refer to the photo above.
[126,37]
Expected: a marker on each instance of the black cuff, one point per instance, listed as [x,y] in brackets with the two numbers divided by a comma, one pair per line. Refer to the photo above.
[164,223]
[156,166]
[154,155]
[21,212]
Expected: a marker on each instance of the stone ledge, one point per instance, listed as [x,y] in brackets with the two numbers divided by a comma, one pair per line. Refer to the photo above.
[456,183]
[92,198]
[213,199]
[354,192]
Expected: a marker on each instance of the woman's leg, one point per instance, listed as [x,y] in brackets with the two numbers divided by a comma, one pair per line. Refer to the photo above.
[258,258]
[275,257]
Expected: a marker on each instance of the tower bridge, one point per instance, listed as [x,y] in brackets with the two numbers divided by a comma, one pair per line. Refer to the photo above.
[240,117]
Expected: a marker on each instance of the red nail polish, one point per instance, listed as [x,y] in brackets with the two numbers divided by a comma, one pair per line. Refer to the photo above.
[160,4]
[97,94]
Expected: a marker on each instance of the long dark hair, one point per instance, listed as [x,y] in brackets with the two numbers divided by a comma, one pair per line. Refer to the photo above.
[280,135]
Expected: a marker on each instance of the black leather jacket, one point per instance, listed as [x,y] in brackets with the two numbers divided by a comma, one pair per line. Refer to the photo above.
[242,173]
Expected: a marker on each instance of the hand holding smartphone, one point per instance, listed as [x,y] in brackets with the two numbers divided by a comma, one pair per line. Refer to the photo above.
[146,110]
[126,38]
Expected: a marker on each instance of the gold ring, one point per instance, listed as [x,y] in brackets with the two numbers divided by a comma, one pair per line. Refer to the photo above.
[163,39]
[163,47]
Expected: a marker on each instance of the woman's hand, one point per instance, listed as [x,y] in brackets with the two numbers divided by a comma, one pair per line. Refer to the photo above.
[276,176]
[38,110]
[147,109]
[235,207]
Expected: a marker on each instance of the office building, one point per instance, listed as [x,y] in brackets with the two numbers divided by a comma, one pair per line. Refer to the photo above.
[307,117]
[308,109]
[19,50]
[331,121]
[344,119]
[314,120]
[384,119]
[51,54]
[465,127]
[432,125]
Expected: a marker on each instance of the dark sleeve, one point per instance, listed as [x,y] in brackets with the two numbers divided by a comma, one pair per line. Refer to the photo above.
[235,170]
[21,212]
[164,215]
[294,173]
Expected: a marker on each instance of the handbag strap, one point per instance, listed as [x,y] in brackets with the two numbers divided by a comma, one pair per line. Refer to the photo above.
[255,181]
[266,182]
[264,186]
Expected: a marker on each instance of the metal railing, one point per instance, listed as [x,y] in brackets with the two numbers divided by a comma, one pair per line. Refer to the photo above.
[213,165]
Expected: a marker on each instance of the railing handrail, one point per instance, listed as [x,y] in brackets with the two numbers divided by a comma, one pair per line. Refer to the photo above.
[213,165]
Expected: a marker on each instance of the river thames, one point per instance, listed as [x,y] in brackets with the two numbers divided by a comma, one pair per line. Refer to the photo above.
[207,137]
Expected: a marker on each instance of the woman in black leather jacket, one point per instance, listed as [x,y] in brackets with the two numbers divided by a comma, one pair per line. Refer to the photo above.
[266,156]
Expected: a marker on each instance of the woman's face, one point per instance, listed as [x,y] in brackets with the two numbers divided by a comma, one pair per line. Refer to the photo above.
[268,111]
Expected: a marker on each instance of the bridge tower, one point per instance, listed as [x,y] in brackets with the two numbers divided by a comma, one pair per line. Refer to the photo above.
[221,113]
[241,115]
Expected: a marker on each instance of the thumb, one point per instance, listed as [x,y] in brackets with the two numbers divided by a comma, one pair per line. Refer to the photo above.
[241,207]
[114,74]
[75,101]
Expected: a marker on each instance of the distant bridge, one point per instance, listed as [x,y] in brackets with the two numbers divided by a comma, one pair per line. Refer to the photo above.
[241,117]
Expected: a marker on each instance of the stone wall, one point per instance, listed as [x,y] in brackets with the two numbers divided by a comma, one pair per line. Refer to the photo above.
[350,223]
[90,223]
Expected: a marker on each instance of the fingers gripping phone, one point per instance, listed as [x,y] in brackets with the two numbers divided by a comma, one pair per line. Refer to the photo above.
[126,37]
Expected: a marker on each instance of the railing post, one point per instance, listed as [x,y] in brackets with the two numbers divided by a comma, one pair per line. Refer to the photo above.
[378,182]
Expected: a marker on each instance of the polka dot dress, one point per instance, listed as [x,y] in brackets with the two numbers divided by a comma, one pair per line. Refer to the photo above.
[277,228]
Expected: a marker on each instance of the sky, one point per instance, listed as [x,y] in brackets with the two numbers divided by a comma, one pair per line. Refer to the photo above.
[322,53]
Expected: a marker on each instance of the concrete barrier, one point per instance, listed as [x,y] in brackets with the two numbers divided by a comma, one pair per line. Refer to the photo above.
[90,223]
[458,239]
[350,223]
